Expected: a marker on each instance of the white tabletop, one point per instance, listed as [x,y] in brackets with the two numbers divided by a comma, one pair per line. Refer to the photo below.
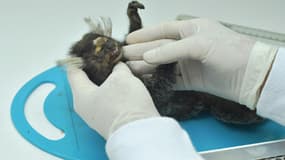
[36,33]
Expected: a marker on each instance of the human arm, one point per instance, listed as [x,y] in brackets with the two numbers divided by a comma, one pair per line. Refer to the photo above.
[211,58]
[122,111]
[271,102]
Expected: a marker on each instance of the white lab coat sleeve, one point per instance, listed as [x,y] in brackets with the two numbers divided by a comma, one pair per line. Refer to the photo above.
[271,103]
[151,139]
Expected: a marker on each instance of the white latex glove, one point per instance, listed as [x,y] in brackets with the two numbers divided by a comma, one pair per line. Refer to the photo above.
[121,99]
[211,57]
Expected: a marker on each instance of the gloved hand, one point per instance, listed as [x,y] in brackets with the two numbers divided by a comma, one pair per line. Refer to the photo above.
[211,57]
[121,99]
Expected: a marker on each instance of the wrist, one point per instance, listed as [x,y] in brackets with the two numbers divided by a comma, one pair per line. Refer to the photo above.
[126,118]
[258,67]
[151,138]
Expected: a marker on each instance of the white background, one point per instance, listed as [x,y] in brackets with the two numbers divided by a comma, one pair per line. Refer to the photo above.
[36,33]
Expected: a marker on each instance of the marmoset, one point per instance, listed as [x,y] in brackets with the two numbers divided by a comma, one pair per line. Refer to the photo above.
[100,52]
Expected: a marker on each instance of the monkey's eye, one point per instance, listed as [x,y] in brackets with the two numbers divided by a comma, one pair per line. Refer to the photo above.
[99,43]
[109,45]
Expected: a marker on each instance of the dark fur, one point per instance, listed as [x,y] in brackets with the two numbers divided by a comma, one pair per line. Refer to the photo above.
[180,105]
[97,67]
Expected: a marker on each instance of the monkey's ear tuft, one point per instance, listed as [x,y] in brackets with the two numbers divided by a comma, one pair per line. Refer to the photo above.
[76,62]
[102,26]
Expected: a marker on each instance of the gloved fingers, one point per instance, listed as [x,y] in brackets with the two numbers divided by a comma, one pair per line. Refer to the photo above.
[141,67]
[170,30]
[195,48]
[135,51]
[121,67]
[120,77]
[119,73]
[79,81]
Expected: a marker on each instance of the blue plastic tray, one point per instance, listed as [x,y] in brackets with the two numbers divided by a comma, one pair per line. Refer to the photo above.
[81,142]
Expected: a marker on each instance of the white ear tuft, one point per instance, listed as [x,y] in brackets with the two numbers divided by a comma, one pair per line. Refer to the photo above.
[107,26]
[76,62]
[101,26]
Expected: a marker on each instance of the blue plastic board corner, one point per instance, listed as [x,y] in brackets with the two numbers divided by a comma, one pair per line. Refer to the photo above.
[81,142]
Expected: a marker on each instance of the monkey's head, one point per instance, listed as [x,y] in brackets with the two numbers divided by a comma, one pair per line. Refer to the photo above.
[99,53]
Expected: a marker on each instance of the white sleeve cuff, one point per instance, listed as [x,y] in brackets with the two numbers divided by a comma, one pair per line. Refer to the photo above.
[271,103]
[259,63]
[151,139]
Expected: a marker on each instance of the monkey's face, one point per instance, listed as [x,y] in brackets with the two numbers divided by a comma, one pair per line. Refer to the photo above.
[99,53]
[106,51]
[100,60]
